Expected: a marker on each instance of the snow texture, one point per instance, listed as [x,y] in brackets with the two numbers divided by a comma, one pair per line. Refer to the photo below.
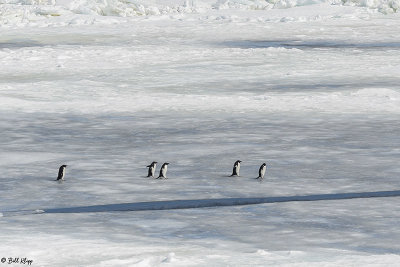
[309,87]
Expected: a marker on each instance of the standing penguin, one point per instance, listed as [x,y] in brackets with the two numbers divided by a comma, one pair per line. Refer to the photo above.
[163,171]
[61,173]
[261,171]
[152,169]
[236,168]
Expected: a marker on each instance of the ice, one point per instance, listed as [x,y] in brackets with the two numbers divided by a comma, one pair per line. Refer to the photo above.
[46,13]
[106,87]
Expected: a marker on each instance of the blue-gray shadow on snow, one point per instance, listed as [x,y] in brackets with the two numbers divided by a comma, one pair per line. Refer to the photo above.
[305,45]
[219,202]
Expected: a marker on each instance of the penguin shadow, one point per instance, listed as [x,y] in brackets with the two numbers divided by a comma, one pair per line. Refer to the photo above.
[47,179]
[60,181]
[240,177]
[54,179]
[258,179]
[154,178]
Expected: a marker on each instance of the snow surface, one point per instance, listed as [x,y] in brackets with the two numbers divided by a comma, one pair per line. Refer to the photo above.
[310,87]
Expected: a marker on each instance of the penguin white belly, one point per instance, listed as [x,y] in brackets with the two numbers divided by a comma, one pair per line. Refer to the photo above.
[263,172]
[164,171]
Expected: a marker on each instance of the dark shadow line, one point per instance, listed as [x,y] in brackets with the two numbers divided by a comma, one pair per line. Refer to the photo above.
[205,203]
[202,203]
[304,44]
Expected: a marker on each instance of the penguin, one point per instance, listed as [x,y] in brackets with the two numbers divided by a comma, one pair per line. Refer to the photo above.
[163,171]
[152,169]
[61,173]
[261,171]
[236,168]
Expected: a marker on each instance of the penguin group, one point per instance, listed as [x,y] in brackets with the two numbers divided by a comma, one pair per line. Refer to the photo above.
[163,171]
[261,171]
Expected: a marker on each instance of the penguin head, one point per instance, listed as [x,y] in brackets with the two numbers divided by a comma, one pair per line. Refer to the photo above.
[264,164]
[152,164]
[64,166]
[237,162]
[166,163]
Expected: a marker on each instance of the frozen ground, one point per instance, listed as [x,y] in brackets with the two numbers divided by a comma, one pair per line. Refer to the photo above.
[313,90]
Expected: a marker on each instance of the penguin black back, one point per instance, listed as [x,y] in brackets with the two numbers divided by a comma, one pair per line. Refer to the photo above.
[236,168]
[61,172]
[261,171]
[152,169]
[163,171]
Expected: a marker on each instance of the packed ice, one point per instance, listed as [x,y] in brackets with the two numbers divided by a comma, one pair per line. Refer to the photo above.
[310,87]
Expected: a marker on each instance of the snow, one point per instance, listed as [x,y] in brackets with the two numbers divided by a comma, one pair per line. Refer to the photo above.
[106,87]
[77,12]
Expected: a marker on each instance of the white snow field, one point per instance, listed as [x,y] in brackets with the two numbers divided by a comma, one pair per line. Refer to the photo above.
[311,87]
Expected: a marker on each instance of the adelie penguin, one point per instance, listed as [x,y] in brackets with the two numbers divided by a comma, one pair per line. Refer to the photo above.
[261,171]
[163,171]
[236,168]
[61,173]
[152,169]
